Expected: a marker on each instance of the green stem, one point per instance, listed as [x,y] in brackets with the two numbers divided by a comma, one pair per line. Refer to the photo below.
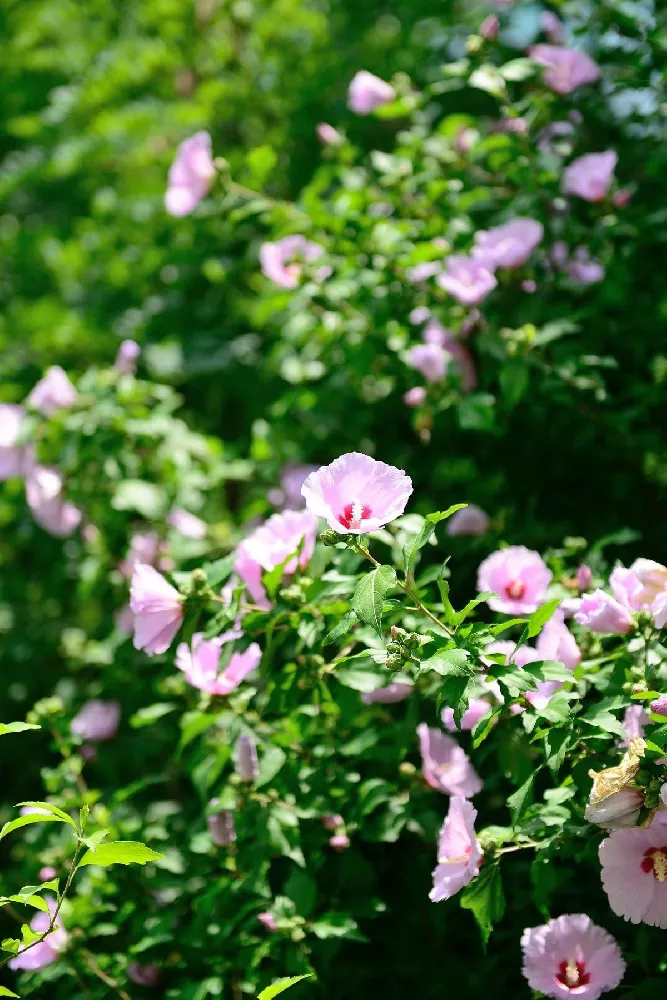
[406,590]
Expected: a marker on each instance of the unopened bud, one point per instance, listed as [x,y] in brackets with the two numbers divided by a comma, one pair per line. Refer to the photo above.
[221,826]
[394,648]
[394,662]
[329,538]
[247,764]
[397,634]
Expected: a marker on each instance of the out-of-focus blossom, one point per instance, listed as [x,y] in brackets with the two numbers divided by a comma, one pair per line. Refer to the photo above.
[292,478]
[97,721]
[659,611]
[187,524]
[459,851]
[518,576]
[124,620]
[634,874]
[552,26]
[467,279]
[339,841]
[419,315]
[247,763]
[47,873]
[200,662]
[328,135]
[356,494]
[12,455]
[445,765]
[509,245]
[220,825]
[44,493]
[268,921]
[53,392]
[422,272]
[583,269]
[547,138]
[332,821]
[476,710]
[430,360]
[571,956]
[127,357]
[470,520]
[144,975]
[368,92]
[489,28]
[38,956]
[388,695]
[565,69]
[659,705]
[556,642]
[529,286]
[271,544]
[638,586]
[415,397]
[622,197]
[282,262]
[601,613]
[144,548]
[190,175]
[590,176]
[157,608]
[634,721]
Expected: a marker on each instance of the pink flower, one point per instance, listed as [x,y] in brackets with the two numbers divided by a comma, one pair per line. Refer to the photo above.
[552,26]
[12,455]
[617,811]
[442,352]
[422,272]
[470,520]
[566,69]
[659,611]
[328,135]
[584,577]
[53,392]
[356,494]
[339,841]
[47,873]
[332,821]
[537,697]
[271,544]
[639,586]
[602,614]
[282,261]
[420,314]
[476,710]
[435,333]
[187,524]
[268,921]
[190,175]
[157,609]
[622,198]
[200,662]
[292,479]
[127,357]
[634,721]
[518,576]
[47,951]
[590,176]
[634,874]
[368,92]
[144,975]
[583,270]
[571,956]
[247,763]
[489,28]
[97,721]
[429,360]
[468,280]
[459,851]
[659,705]
[556,642]
[220,825]
[44,493]
[388,695]
[144,548]
[445,765]
[508,246]
[415,397]
[529,286]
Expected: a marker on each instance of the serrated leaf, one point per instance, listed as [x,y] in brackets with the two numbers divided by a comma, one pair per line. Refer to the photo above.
[361,674]
[269,765]
[341,629]
[280,985]
[521,799]
[452,664]
[557,743]
[541,617]
[219,570]
[484,896]
[368,598]
[15,727]
[120,852]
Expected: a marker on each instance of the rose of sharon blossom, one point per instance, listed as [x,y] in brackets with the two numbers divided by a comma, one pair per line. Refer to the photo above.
[445,765]
[292,478]
[282,261]
[356,494]
[552,26]
[470,520]
[430,360]
[328,135]
[617,811]
[441,354]
[415,397]
[190,175]
[388,695]
[47,951]
[571,956]
[467,279]
[12,456]
[639,586]
[537,697]
[634,721]
[659,611]
[368,92]
[566,69]
[97,721]
[157,608]
[339,841]
[424,271]
[590,176]
[44,493]
[47,873]
[556,642]
[127,357]
[600,613]
[510,245]
[144,548]
[476,710]
[634,874]
[53,392]
[459,852]
[270,545]
[518,576]
[200,661]
[268,921]
[584,270]
[186,524]
[144,975]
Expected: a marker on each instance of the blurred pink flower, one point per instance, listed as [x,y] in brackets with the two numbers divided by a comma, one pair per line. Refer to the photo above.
[157,609]
[583,269]
[590,176]
[144,548]
[97,721]
[415,397]
[331,821]
[47,873]
[634,874]
[268,921]
[127,357]
[190,175]
[659,611]
[602,614]
[552,26]
[556,642]
[476,710]
[420,314]
[282,261]
[47,951]
[459,851]
[44,493]
[200,662]
[430,360]
[144,975]
[470,520]
[271,544]
[529,286]
[53,392]
[12,455]
[571,956]
[422,272]
[445,765]
[639,586]
[634,721]
[220,825]
[489,28]
[388,695]
[566,69]
[339,841]
[292,478]
[467,279]
[622,197]
[509,245]
[187,524]
[368,92]
[356,494]
[518,576]
[329,135]
[659,705]
[247,763]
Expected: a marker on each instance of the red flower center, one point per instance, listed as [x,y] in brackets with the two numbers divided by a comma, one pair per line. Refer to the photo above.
[572,974]
[515,590]
[354,513]
[655,863]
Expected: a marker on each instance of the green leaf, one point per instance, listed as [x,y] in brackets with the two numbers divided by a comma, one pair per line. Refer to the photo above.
[361,674]
[514,379]
[151,713]
[95,839]
[476,412]
[411,549]
[146,498]
[11,945]
[4,992]
[219,570]
[442,515]
[336,925]
[541,617]
[372,794]
[368,598]
[483,727]
[452,664]
[521,799]
[557,744]
[120,852]
[280,985]
[459,617]
[15,727]
[269,765]
[341,629]
[518,69]
[484,896]
[489,79]
[600,716]
[50,817]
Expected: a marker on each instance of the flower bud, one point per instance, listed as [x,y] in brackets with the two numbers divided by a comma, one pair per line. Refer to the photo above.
[584,577]
[247,764]
[221,826]
[489,27]
[394,648]
[339,842]
[615,801]
[268,921]
[329,538]
[331,821]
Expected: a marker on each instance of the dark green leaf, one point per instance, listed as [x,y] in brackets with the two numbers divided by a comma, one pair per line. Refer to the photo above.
[368,598]
[341,629]
[484,896]
[269,765]
[521,799]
